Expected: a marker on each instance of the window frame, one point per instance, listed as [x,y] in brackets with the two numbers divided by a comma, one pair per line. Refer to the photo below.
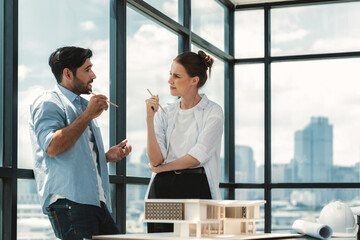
[9,171]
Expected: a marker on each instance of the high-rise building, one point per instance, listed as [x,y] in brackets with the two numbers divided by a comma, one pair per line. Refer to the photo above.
[313,156]
[244,170]
[244,164]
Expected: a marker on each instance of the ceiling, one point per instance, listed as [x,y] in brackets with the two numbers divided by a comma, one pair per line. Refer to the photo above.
[243,2]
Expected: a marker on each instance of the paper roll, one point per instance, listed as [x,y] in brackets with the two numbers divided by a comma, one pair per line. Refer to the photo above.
[355,210]
[316,230]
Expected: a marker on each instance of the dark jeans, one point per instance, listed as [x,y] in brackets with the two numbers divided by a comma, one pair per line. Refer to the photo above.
[170,185]
[74,221]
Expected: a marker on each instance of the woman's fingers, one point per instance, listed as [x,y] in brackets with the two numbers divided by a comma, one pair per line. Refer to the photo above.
[153,103]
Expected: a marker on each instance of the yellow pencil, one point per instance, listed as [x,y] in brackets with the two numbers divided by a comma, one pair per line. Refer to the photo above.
[106,100]
[152,96]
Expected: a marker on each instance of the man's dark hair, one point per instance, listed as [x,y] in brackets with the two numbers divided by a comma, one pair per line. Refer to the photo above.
[68,57]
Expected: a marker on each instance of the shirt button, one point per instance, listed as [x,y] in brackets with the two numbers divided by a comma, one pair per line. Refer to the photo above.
[94,169]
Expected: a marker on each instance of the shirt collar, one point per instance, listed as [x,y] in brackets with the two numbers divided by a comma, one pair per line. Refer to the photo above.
[201,105]
[203,102]
[68,94]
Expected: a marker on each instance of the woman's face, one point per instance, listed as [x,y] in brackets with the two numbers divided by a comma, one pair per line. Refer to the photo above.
[180,82]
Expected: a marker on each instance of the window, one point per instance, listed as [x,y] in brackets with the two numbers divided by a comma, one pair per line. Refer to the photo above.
[207,20]
[150,51]
[249,123]
[65,25]
[168,7]
[135,195]
[249,33]
[68,23]
[31,222]
[314,121]
[315,29]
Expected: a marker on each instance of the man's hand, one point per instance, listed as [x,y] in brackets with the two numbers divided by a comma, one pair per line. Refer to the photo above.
[118,152]
[96,106]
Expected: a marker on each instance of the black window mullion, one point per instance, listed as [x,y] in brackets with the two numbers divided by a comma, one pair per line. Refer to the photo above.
[118,94]
[229,94]
[267,127]
[2,26]
[10,108]
[185,19]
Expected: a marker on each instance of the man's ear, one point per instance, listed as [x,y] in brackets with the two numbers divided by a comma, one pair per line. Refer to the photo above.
[67,74]
[195,80]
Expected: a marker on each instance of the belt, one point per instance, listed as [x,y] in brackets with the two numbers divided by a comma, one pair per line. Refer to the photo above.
[199,170]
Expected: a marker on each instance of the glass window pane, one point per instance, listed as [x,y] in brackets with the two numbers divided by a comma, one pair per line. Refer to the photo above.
[208,22]
[168,7]
[113,200]
[289,205]
[315,29]
[214,90]
[135,195]
[249,34]
[150,52]
[224,193]
[65,25]
[253,194]
[249,123]
[31,222]
[315,121]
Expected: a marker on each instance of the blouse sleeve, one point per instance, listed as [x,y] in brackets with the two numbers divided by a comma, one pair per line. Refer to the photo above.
[160,125]
[210,136]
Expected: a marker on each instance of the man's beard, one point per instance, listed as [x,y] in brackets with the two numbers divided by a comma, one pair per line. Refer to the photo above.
[79,87]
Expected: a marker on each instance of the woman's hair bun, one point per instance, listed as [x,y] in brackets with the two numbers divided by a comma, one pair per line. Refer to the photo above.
[206,59]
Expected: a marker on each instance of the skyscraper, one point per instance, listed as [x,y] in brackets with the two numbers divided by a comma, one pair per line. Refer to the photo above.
[313,154]
[244,164]
[244,170]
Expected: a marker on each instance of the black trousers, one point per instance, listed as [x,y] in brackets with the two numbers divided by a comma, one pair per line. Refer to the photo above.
[175,185]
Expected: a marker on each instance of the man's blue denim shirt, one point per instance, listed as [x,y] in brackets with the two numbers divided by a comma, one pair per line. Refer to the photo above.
[70,174]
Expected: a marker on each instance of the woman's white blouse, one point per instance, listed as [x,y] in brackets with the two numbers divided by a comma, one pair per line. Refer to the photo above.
[184,135]
[209,118]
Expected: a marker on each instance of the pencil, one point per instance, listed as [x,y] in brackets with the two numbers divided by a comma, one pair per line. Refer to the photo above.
[105,100]
[152,96]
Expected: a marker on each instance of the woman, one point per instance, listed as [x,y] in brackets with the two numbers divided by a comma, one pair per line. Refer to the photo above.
[183,143]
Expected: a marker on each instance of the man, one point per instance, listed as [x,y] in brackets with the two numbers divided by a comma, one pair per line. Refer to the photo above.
[70,162]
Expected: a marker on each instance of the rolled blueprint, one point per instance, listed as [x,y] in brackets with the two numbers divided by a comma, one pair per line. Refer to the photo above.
[355,210]
[316,230]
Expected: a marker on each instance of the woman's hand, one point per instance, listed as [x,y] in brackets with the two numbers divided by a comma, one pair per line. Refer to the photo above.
[152,105]
[157,169]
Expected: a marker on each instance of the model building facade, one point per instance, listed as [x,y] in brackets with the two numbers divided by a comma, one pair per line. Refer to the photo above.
[197,217]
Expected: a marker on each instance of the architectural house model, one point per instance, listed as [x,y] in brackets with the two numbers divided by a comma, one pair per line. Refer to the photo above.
[204,218]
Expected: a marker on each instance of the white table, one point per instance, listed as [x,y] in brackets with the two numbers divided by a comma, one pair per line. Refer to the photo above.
[171,236]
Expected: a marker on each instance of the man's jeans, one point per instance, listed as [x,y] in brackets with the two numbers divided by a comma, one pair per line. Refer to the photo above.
[73,221]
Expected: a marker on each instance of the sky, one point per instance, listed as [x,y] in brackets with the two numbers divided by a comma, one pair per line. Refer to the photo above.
[300,89]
